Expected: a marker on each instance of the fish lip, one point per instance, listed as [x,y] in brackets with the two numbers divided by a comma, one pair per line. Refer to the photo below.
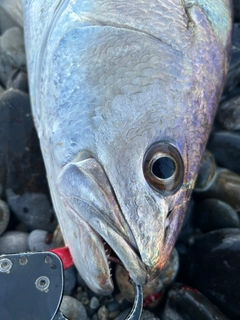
[131,261]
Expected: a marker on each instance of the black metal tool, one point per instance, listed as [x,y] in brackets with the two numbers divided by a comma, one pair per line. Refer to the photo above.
[31,286]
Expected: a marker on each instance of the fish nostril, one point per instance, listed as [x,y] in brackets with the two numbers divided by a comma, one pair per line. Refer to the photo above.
[169,213]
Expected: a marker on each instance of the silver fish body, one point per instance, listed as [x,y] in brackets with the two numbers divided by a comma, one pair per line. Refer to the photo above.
[119,90]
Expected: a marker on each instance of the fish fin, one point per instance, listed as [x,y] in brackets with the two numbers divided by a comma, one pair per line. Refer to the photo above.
[14,9]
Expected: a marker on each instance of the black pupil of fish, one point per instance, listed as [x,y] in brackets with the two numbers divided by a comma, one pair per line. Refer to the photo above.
[163,168]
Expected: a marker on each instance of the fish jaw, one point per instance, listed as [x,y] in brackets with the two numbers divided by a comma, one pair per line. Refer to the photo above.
[90,202]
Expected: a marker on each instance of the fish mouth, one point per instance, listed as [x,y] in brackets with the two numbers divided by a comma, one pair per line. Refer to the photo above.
[90,203]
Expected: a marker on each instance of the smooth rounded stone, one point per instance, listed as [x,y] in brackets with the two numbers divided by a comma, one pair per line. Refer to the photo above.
[233,76]
[228,114]
[224,186]
[236,11]
[206,172]
[72,309]
[4,216]
[21,164]
[18,80]
[225,147]
[103,313]
[94,303]
[14,9]
[14,242]
[236,32]
[157,285]
[6,22]
[12,53]
[188,224]
[70,280]
[113,306]
[17,125]
[187,303]
[214,264]
[213,214]
[38,241]
[33,209]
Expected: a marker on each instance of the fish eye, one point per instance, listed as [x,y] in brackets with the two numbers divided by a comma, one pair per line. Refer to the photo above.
[163,168]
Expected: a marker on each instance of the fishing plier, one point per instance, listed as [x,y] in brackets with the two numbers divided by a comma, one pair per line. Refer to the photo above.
[32,286]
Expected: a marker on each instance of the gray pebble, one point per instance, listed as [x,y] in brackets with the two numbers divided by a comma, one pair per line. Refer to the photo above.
[14,242]
[12,53]
[70,280]
[94,303]
[103,313]
[4,216]
[6,22]
[33,209]
[37,241]
[113,306]
[13,9]
[73,309]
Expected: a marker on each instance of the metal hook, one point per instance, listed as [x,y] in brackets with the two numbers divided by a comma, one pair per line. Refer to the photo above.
[135,313]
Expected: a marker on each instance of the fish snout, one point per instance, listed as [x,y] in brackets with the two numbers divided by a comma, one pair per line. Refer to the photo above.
[149,226]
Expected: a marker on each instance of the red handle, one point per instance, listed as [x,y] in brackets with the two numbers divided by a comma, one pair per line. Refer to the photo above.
[64,254]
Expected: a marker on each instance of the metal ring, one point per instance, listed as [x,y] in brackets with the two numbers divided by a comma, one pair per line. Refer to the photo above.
[5,265]
[42,283]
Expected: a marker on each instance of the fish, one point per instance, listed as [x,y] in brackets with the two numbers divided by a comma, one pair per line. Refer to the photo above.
[123,96]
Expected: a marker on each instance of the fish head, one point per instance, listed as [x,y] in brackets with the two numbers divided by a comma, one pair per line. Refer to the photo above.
[152,97]
[132,189]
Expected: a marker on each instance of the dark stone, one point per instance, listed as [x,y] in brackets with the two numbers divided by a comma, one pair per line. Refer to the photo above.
[70,280]
[206,171]
[225,146]
[187,303]
[212,214]
[236,7]
[22,170]
[33,209]
[214,264]
[233,76]
[228,113]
